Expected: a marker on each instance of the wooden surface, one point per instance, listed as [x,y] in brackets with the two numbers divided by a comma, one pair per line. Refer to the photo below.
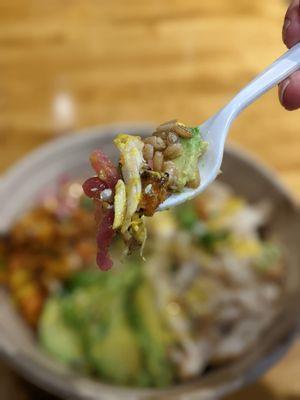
[67,64]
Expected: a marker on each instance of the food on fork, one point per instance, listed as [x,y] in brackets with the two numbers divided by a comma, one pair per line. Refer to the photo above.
[150,170]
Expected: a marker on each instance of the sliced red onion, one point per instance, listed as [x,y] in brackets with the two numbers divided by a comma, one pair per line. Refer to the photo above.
[93,187]
[105,235]
[101,189]
[104,168]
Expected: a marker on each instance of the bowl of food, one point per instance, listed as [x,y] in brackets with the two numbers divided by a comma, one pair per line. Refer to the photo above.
[210,306]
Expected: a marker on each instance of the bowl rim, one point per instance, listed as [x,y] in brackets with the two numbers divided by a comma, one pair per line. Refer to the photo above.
[36,376]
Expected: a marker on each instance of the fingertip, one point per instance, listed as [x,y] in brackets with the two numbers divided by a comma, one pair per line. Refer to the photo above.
[291,35]
[289,92]
[291,25]
[282,88]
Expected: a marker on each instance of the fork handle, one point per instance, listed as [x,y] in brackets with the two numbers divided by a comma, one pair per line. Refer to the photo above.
[288,63]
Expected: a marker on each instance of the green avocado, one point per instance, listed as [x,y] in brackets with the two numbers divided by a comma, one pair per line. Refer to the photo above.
[153,337]
[187,163]
[110,327]
[116,356]
[57,338]
[96,308]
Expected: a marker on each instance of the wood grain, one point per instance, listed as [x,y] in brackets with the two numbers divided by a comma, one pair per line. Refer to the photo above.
[67,64]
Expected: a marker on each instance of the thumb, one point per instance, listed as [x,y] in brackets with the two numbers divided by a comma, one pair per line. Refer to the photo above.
[289,92]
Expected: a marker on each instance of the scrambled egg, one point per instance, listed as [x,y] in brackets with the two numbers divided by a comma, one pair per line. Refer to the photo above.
[131,149]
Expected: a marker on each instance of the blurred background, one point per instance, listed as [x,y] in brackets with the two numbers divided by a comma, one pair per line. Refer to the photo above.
[71,64]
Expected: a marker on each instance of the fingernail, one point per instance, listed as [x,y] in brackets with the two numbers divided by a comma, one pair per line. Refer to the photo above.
[286,24]
[283,89]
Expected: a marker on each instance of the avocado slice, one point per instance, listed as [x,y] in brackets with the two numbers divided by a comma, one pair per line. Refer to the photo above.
[97,309]
[56,337]
[153,338]
[187,163]
[116,356]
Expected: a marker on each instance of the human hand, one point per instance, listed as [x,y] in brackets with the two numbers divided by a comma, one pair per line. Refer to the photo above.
[289,89]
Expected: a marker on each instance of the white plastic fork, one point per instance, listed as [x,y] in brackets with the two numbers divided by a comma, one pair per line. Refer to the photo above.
[215,130]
